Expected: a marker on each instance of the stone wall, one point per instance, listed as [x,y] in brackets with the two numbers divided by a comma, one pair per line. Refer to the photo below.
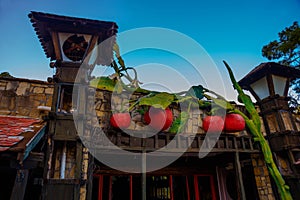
[22,96]
[262,178]
[107,103]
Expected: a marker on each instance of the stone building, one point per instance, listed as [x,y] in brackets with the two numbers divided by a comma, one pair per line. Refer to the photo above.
[85,157]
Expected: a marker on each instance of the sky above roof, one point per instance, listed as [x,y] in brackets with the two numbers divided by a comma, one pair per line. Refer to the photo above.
[231,30]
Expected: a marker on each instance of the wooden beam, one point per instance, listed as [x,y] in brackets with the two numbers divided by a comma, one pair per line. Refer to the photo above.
[56,45]
[90,177]
[19,188]
[240,184]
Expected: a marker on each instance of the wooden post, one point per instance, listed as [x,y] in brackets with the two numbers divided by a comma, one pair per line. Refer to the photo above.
[90,177]
[84,173]
[238,170]
[18,191]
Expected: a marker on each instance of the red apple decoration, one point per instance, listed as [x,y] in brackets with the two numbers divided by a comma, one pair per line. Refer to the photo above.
[234,122]
[120,120]
[159,119]
[213,124]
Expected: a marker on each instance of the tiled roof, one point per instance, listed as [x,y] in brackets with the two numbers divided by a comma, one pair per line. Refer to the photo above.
[17,132]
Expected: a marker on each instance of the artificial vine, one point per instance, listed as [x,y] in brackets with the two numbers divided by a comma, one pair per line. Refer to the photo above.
[254,125]
[194,96]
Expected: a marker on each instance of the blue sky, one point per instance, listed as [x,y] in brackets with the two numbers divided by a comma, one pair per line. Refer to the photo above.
[232,30]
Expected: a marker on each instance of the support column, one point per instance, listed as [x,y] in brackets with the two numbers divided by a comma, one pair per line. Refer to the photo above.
[18,191]
[239,175]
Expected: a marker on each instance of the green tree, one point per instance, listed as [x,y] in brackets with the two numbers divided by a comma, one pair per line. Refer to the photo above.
[286,51]
[5,75]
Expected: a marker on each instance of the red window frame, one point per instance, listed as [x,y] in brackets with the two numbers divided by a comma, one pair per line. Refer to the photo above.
[195,180]
[212,186]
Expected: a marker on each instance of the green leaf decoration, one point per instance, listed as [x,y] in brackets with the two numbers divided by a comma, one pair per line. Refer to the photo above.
[197,91]
[105,83]
[158,100]
[220,102]
[179,123]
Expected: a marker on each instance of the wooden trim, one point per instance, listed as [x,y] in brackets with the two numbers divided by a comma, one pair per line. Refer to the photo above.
[55,98]
[171,187]
[254,94]
[270,85]
[79,152]
[240,184]
[90,177]
[91,46]
[287,86]
[212,187]
[19,188]
[100,187]
[130,188]
[196,188]
[110,188]
[56,45]
[187,188]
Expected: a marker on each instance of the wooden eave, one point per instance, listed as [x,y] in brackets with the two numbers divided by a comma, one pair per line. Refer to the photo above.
[45,23]
[268,68]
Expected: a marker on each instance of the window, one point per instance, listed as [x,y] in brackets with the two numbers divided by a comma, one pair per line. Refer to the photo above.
[196,187]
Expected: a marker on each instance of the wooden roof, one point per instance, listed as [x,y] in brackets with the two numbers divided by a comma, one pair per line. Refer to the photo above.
[20,134]
[268,68]
[45,23]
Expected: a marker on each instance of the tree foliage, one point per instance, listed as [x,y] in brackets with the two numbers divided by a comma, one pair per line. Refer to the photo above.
[286,50]
[5,75]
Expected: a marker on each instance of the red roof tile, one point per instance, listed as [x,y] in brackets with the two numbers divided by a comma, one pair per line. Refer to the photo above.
[13,129]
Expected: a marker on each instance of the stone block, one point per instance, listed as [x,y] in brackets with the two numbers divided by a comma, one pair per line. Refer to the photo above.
[23,89]
[99,95]
[258,181]
[195,121]
[34,113]
[39,97]
[38,90]
[195,129]
[3,84]
[140,126]
[189,128]
[270,191]
[49,101]
[266,172]
[5,112]
[24,111]
[256,171]
[264,197]
[260,162]
[23,101]
[12,104]
[12,85]
[49,90]
[261,192]
[271,197]
[35,104]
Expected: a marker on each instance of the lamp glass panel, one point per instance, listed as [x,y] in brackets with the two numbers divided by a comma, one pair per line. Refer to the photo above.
[92,57]
[260,87]
[279,84]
